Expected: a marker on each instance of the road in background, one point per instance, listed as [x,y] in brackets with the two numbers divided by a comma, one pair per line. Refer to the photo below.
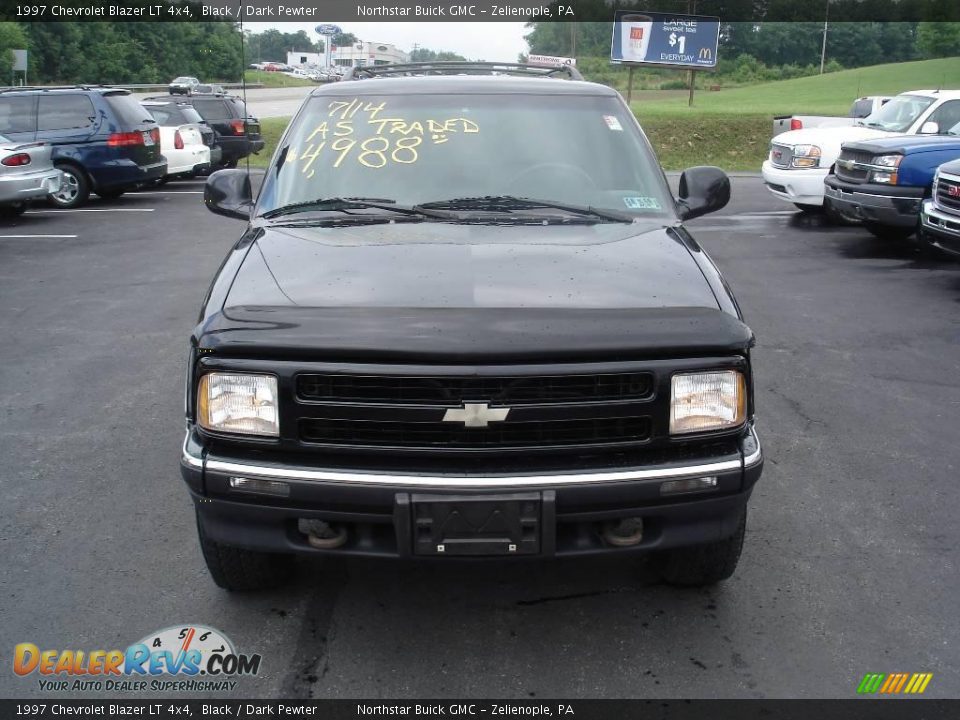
[849,565]
[264,102]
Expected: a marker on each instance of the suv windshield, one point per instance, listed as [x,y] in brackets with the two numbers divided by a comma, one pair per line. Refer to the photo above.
[900,113]
[413,149]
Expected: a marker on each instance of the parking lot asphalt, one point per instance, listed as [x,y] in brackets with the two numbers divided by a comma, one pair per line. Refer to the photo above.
[849,565]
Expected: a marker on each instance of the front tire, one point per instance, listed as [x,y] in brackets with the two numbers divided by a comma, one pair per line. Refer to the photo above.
[803,207]
[706,564]
[238,569]
[74,191]
[888,232]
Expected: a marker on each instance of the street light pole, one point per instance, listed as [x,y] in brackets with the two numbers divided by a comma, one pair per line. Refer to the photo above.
[823,49]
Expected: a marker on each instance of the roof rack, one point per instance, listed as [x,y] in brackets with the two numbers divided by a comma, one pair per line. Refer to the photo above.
[459,67]
[16,88]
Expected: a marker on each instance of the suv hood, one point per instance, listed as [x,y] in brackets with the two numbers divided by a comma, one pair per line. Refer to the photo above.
[439,264]
[906,144]
[442,289]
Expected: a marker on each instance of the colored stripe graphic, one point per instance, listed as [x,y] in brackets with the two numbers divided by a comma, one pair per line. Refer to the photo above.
[894,683]
[870,683]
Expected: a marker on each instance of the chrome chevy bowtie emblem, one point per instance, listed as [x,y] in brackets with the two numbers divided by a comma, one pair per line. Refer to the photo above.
[476,414]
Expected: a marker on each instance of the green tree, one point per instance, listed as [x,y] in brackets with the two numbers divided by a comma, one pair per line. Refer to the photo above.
[343,40]
[426,55]
[938,39]
[12,37]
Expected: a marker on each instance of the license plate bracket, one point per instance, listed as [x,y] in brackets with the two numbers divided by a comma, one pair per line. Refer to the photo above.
[472,525]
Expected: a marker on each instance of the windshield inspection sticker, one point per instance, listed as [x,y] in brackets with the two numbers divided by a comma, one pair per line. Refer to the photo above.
[642,203]
[612,123]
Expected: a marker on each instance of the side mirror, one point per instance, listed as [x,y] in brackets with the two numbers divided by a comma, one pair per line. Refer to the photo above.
[704,189]
[228,193]
[929,128]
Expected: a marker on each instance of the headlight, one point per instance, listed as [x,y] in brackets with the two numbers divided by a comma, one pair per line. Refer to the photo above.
[882,176]
[806,156]
[700,402]
[235,403]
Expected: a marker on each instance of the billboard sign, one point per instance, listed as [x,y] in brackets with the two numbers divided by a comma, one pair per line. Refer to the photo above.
[688,41]
[328,29]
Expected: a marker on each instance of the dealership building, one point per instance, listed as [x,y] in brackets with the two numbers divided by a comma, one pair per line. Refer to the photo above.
[368,53]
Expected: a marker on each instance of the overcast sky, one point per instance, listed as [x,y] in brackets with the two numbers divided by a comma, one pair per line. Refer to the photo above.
[501,41]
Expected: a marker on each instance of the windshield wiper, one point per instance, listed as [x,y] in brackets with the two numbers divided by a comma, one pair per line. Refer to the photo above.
[511,203]
[341,204]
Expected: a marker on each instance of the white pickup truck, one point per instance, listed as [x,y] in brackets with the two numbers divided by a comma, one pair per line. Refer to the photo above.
[861,108]
[799,160]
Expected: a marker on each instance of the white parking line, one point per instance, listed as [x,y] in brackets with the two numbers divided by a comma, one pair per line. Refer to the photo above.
[57,212]
[13,237]
[171,192]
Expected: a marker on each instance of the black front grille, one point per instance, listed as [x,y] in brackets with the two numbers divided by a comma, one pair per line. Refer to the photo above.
[500,390]
[855,174]
[946,200]
[502,436]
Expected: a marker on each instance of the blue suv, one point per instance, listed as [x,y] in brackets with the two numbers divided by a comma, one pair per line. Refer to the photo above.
[103,139]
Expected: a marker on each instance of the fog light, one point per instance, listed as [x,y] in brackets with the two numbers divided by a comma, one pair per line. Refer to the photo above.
[260,487]
[691,485]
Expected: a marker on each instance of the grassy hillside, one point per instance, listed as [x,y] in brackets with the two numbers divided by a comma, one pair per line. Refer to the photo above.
[274,79]
[829,94]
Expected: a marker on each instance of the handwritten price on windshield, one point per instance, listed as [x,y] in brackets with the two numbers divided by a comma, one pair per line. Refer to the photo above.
[396,139]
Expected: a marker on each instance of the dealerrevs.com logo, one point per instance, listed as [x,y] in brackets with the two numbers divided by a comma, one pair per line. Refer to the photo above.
[185,658]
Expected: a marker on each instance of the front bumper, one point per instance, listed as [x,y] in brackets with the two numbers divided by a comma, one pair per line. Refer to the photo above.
[940,230]
[23,187]
[375,507]
[893,206]
[800,186]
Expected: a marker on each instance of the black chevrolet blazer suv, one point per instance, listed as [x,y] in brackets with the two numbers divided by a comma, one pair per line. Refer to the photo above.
[465,320]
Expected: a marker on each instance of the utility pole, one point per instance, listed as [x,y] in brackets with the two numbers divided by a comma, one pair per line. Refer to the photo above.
[691,9]
[823,49]
[573,40]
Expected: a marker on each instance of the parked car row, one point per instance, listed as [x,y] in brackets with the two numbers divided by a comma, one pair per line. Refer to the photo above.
[65,143]
[896,172]
[303,73]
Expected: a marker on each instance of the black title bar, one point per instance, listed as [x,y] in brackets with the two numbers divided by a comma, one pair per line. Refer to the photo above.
[327,11]
[161,709]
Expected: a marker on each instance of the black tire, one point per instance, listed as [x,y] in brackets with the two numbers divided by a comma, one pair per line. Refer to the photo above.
[238,569]
[75,189]
[9,212]
[888,232]
[803,207]
[707,564]
[111,194]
